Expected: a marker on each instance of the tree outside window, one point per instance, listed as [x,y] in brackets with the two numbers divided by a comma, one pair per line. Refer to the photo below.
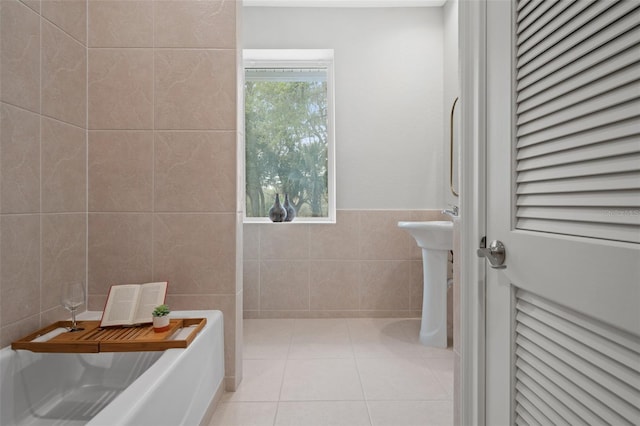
[287,140]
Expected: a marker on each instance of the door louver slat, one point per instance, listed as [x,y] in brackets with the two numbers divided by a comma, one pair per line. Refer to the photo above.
[572,49]
[585,371]
[543,411]
[611,333]
[524,418]
[577,117]
[611,55]
[577,104]
[623,129]
[574,411]
[612,182]
[535,342]
[617,72]
[522,3]
[542,27]
[585,336]
[592,199]
[624,111]
[601,166]
[537,13]
[569,37]
[577,406]
[580,154]
[579,214]
[528,8]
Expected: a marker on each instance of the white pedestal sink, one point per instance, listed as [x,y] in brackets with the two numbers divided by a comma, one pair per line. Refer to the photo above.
[436,239]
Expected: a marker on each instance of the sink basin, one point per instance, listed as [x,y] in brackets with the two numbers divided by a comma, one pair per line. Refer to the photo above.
[434,235]
[436,239]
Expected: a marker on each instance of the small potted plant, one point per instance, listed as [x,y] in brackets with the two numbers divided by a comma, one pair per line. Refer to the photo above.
[161,318]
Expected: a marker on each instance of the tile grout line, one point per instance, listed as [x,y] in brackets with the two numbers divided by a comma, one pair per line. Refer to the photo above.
[86,161]
[259,269]
[284,371]
[355,360]
[153,139]
[40,54]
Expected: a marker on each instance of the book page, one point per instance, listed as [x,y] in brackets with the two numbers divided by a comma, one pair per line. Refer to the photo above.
[151,295]
[121,304]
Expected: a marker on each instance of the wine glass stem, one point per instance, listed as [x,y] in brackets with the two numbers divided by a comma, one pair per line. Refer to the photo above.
[74,326]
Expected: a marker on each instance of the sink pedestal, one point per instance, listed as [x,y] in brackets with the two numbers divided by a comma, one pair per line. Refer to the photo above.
[433,329]
[436,239]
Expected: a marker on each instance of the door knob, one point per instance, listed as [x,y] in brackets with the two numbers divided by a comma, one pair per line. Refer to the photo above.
[495,253]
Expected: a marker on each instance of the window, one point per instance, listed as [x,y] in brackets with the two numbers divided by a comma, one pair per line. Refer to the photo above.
[289,138]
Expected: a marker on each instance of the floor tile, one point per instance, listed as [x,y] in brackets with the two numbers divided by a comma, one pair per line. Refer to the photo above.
[244,414]
[267,338]
[428,352]
[323,413]
[411,413]
[442,368]
[320,338]
[391,338]
[399,379]
[350,372]
[321,380]
[368,326]
[261,381]
[384,349]
[412,335]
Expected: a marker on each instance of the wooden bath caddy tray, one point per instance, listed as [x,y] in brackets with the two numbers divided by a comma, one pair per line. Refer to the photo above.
[94,339]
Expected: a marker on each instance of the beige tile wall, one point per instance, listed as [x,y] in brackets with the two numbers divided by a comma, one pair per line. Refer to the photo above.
[362,266]
[162,155]
[118,156]
[43,185]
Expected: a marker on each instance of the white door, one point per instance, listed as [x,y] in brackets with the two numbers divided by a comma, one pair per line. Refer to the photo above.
[563,195]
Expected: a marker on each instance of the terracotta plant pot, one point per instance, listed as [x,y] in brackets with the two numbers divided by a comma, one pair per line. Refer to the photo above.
[161,324]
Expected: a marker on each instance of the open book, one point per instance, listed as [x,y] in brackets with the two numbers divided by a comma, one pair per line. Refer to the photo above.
[131,304]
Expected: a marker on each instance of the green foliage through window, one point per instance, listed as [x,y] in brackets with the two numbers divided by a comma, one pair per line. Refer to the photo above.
[286,142]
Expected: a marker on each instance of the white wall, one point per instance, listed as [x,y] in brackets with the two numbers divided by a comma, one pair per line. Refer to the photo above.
[389,96]
[451,91]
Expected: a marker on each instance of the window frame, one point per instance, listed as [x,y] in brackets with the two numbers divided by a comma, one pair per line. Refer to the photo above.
[294,58]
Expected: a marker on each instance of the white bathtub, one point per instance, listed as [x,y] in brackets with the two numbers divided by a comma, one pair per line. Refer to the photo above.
[172,387]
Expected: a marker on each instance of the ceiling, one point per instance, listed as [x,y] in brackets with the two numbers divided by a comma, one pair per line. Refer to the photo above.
[343,3]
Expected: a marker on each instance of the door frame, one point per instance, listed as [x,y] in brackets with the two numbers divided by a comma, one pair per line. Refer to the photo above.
[472,59]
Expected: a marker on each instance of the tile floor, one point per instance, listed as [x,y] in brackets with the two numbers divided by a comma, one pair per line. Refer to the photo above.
[339,372]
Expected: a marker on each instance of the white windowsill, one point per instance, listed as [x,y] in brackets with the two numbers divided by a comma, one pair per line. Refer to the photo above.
[299,220]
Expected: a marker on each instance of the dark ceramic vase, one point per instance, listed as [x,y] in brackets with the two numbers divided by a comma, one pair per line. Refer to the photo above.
[277,213]
[291,211]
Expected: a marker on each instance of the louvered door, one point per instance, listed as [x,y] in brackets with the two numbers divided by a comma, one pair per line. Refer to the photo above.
[563,195]
[572,369]
[577,82]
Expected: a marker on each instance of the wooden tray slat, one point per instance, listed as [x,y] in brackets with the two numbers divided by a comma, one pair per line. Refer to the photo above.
[94,339]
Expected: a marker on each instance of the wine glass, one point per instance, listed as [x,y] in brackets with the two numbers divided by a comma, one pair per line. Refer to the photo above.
[71,298]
